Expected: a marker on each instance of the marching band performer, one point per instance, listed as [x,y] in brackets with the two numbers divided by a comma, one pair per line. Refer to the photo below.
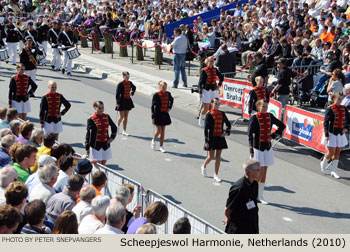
[50,110]
[208,89]
[43,30]
[67,39]
[21,88]
[32,33]
[53,40]
[259,92]
[28,58]
[259,136]
[125,89]
[97,140]
[162,102]
[12,39]
[336,124]
[215,136]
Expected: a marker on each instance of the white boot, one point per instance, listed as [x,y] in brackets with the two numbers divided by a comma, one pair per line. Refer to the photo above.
[153,145]
[334,169]
[325,165]
[200,120]
[260,194]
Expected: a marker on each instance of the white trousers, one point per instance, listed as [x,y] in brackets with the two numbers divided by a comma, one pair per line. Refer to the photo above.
[12,50]
[53,127]
[31,74]
[56,58]
[20,46]
[67,63]
[44,46]
[22,107]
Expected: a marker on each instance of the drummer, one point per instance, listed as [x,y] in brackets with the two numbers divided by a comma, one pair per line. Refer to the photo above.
[67,39]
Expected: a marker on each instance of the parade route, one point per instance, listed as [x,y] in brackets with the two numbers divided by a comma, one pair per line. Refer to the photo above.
[302,200]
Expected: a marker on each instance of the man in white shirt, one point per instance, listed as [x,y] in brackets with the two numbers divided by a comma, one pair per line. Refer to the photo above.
[179,46]
[44,190]
[115,216]
[83,208]
[66,168]
[7,176]
[33,179]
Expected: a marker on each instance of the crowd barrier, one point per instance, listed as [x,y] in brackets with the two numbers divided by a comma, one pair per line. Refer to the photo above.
[115,180]
[198,225]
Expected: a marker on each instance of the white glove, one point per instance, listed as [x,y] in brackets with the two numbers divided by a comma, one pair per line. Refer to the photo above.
[33,50]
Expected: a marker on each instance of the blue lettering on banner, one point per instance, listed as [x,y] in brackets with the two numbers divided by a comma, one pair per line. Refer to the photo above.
[299,129]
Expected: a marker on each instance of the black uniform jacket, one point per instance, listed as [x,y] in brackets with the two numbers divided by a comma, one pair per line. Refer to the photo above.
[13,91]
[120,91]
[254,133]
[329,119]
[91,134]
[209,123]
[203,79]
[156,103]
[44,110]
[62,39]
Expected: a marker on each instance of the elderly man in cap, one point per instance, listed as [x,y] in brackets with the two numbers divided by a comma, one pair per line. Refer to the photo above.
[67,39]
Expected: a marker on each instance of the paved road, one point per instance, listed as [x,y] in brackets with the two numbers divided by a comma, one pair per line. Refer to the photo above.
[302,200]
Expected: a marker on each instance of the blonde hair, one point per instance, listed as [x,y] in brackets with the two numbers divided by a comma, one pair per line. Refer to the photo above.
[148,228]
[161,83]
[257,78]
[208,59]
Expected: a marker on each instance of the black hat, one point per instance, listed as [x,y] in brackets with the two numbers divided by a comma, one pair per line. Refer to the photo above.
[83,167]
[282,60]
[28,38]
[30,23]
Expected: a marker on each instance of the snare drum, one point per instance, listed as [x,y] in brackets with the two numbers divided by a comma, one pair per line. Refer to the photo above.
[73,53]
[42,55]
[4,54]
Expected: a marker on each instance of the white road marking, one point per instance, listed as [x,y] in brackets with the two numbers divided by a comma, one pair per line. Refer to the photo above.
[287,219]
[167,159]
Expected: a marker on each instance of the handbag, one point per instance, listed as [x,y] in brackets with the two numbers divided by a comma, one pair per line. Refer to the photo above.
[189,54]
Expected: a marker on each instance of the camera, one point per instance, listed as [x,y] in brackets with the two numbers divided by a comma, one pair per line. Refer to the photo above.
[194,89]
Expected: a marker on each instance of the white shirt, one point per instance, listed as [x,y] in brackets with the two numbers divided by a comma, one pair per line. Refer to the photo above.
[2,197]
[62,181]
[89,225]
[43,192]
[32,181]
[180,44]
[107,229]
[82,209]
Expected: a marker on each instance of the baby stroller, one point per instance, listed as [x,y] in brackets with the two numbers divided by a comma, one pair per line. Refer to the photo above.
[302,90]
[319,96]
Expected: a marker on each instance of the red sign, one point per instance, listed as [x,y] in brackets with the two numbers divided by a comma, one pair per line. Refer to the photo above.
[231,92]
[304,127]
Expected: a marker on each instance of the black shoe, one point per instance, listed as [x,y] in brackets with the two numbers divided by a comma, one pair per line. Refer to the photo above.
[14,64]
[53,67]
[69,74]
[63,70]
[184,85]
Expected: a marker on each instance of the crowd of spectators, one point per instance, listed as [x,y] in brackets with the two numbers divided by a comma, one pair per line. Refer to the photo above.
[44,189]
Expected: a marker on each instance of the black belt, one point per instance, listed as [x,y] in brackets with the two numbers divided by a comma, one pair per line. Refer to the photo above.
[212,87]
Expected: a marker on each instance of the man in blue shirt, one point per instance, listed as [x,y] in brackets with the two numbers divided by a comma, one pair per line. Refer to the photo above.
[6,142]
[11,115]
[179,46]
